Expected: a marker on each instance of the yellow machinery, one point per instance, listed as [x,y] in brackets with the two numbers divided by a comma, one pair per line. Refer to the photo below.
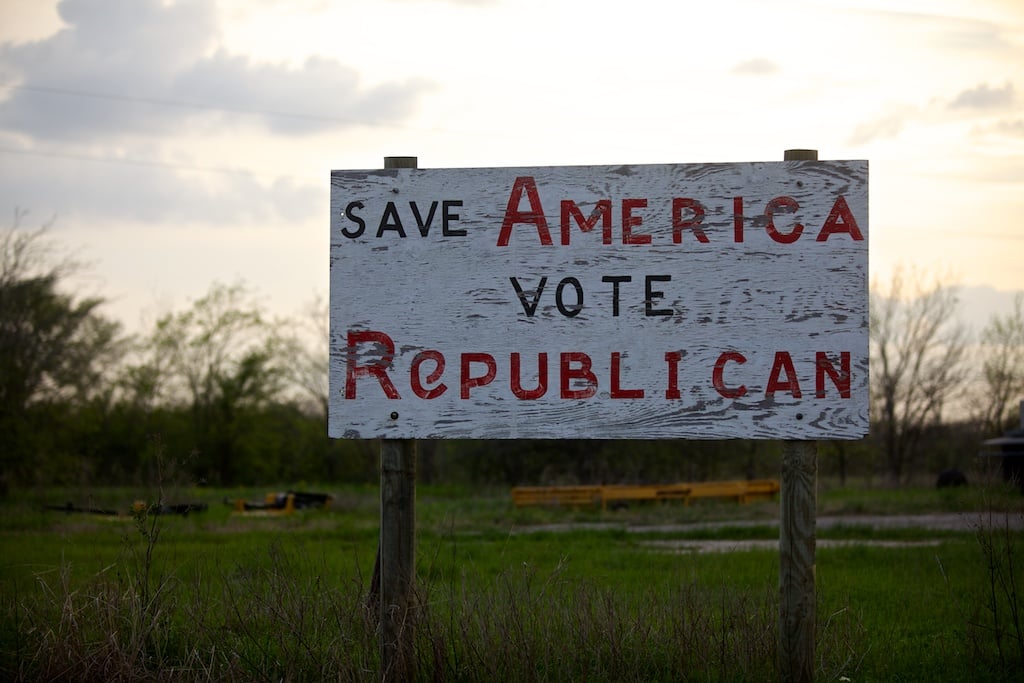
[282,503]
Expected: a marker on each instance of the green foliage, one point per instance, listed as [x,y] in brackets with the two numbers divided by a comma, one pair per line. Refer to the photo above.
[222,360]
[54,350]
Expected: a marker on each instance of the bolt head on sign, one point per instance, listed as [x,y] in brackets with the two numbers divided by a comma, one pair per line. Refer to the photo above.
[700,301]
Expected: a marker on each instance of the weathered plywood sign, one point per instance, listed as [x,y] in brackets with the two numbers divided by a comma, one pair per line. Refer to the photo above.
[651,301]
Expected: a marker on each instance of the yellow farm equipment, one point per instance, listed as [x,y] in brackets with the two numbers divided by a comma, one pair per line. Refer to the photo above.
[742,491]
[281,503]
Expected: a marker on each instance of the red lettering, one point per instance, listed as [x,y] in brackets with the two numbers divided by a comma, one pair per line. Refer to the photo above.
[769,211]
[678,224]
[783,363]
[534,215]
[602,212]
[414,374]
[717,375]
[840,378]
[542,378]
[629,221]
[617,391]
[378,369]
[673,358]
[469,381]
[840,220]
[582,372]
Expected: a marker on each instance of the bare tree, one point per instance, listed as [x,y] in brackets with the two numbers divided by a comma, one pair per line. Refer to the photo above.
[310,360]
[918,352]
[1002,348]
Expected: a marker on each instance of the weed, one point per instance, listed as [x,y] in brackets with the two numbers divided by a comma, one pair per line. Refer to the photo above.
[992,612]
[1003,557]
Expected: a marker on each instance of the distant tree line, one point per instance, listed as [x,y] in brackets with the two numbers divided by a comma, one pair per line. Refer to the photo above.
[231,396]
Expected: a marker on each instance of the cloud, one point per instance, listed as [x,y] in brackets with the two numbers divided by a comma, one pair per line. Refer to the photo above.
[1014,128]
[92,111]
[758,66]
[467,3]
[142,67]
[77,188]
[966,104]
[984,97]
[948,32]
[326,89]
[995,131]
[885,127]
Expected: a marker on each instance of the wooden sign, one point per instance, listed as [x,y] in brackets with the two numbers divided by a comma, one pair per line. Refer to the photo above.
[700,301]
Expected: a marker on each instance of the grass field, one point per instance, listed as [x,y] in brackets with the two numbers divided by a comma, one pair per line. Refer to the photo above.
[504,593]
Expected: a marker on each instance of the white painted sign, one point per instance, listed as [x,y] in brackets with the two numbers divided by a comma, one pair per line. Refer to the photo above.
[653,301]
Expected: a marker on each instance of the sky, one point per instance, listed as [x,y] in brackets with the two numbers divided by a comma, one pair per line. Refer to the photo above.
[177,144]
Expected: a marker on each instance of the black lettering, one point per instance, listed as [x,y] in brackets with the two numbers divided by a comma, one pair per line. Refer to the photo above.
[424,228]
[574,310]
[615,280]
[390,221]
[447,217]
[651,295]
[529,306]
[350,214]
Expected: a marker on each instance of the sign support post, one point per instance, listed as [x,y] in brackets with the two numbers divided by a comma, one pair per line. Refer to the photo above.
[397,540]
[797,560]
[648,301]
[797,542]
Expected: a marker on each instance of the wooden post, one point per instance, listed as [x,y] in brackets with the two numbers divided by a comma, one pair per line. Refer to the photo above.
[797,543]
[397,553]
[797,597]
[397,558]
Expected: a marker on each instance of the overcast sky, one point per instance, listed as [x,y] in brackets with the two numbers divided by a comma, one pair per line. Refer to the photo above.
[182,143]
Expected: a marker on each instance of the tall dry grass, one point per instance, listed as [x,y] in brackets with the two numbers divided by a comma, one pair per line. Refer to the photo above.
[277,618]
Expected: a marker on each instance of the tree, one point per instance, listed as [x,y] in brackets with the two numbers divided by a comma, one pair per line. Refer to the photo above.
[225,361]
[54,349]
[1002,343]
[311,360]
[917,362]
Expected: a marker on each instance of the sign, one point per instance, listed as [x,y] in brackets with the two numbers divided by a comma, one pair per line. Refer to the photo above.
[704,301]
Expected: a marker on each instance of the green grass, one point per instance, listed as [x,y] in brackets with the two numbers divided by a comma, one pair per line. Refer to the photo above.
[219,596]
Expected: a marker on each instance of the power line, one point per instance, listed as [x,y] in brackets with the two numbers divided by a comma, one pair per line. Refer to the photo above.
[136,162]
[197,106]
[179,104]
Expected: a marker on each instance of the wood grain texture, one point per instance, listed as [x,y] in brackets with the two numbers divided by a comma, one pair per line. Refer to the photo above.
[797,549]
[454,294]
[397,559]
